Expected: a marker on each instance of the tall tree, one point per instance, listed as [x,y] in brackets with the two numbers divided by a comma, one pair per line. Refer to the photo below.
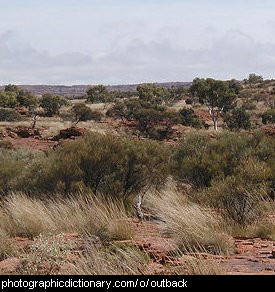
[98,94]
[216,95]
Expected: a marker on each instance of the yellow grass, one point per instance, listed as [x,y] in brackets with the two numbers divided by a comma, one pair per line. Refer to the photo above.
[189,224]
[111,261]
[101,217]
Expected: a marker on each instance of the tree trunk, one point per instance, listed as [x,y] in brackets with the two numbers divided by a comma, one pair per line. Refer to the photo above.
[140,214]
[215,120]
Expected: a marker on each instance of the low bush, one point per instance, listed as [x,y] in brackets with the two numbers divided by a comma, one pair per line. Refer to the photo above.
[10,115]
[268,117]
[240,197]
[188,118]
[198,159]
[238,119]
[110,165]
[83,113]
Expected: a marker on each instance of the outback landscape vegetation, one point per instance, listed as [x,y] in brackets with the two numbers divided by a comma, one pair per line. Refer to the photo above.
[174,179]
[137,137]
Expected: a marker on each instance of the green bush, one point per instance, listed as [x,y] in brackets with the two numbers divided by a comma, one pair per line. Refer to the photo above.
[156,124]
[103,164]
[249,105]
[189,101]
[240,197]
[83,113]
[268,117]
[52,103]
[27,99]
[9,115]
[8,99]
[238,119]
[13,165]
[189,118]
[199,160]
[99,94]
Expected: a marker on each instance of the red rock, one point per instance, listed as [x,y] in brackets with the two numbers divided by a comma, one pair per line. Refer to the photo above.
[69,133]
[9,266]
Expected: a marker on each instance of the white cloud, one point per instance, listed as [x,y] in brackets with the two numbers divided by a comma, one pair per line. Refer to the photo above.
[134,60]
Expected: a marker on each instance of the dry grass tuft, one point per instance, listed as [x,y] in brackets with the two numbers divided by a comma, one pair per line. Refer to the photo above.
[105,218]
[200,266]
[6,248]
[112,261]
[191,225]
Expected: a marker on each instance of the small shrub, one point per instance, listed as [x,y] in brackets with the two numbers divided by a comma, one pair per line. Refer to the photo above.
[189,101]
[240,197]
[46,255]
[9,115]
[188,118]
[248,105]
[268,117]
[83,113]
[238,119]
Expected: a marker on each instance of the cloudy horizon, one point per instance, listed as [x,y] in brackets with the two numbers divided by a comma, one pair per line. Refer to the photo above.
[125,42]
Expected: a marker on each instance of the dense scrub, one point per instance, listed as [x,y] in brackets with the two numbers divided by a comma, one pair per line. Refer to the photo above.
[200,160]
[105,164]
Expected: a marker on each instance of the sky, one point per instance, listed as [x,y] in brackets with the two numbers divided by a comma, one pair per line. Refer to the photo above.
[132,41]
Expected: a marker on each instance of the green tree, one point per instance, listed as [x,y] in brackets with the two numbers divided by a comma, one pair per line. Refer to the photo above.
[235,86]
[152,93]
[11,88]
[254,78]
[83,113]
[27,99]
[156,124]
[216,95]
[98,94]
[52,103]
[8,99]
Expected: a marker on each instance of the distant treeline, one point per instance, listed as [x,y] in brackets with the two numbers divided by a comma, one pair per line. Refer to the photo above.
[77,91]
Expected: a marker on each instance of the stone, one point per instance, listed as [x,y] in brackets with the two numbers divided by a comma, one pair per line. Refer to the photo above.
[69,133]
[9,266]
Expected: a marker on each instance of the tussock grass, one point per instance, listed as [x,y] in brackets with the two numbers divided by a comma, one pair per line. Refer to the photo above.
[84,214]
[264,229]
[191,225]
[112,261]
[6,248]
[200,266]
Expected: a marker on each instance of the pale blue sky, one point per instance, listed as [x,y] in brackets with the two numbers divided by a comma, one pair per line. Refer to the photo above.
[128,41]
